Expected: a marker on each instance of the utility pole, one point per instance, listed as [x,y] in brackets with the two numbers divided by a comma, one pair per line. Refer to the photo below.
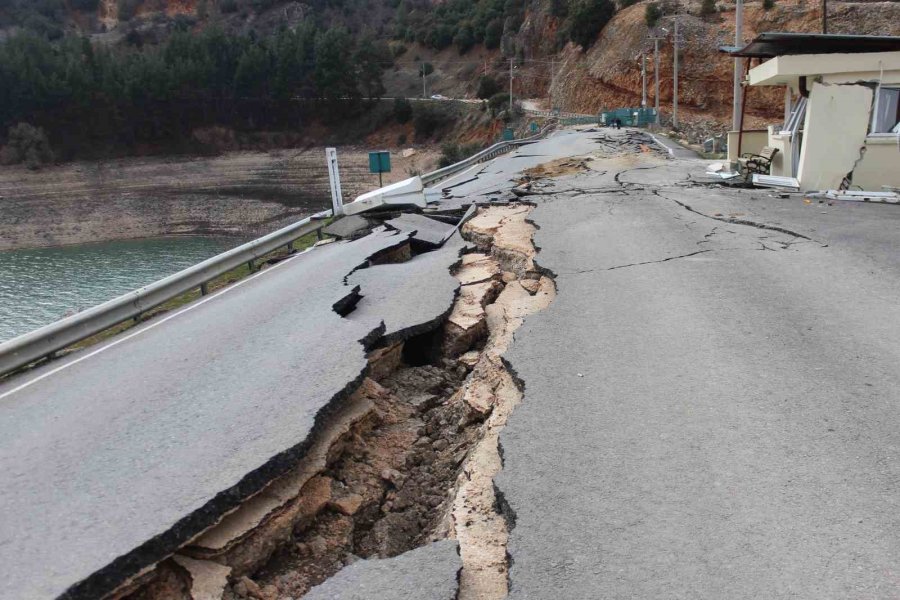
[738,65]
[643,79]
[675,80]
[423,81]
[824,16]
[510,85]
[656,73]
[552,80]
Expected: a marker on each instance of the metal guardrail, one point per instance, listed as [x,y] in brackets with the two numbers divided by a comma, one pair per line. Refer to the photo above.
[487,154]
[25,349]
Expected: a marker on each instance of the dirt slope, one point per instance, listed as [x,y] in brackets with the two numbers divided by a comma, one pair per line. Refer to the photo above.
[608,75]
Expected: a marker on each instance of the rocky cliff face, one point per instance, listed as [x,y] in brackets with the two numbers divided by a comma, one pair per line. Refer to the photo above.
[608,75]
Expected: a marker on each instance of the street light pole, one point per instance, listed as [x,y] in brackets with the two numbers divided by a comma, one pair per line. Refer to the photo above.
[423,81]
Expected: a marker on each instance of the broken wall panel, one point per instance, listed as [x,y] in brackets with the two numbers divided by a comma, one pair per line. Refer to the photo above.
[837,122]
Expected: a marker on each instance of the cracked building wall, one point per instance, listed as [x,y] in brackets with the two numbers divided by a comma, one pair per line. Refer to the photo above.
[837,122]
[880,165]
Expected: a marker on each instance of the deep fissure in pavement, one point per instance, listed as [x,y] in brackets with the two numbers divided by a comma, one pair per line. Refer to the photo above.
[413,456]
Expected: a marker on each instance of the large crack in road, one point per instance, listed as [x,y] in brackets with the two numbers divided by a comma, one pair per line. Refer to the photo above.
[411,457]
[652,432]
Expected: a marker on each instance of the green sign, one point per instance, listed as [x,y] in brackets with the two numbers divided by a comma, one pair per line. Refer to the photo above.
[534,127]
[380,162]
[508,135]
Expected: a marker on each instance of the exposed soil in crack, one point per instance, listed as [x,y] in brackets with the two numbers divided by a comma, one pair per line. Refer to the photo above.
[410,458]
[476,519]
[558,167]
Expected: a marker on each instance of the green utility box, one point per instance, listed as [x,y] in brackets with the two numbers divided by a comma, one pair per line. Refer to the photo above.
[380,162]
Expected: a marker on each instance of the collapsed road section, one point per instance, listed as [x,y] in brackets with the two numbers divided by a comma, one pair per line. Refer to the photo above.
[341,405]
[123,453]
[411,456]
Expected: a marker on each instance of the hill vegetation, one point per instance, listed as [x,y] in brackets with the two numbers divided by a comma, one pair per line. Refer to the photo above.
[496,23]
[123,75]
[80,92]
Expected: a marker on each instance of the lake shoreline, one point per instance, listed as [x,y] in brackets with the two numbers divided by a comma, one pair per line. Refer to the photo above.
[239,194]
[41,285]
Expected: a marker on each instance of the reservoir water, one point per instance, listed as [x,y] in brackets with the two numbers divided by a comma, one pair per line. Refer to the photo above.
[42,285]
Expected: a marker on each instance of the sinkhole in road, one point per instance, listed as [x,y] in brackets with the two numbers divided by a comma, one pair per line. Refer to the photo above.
[410,459]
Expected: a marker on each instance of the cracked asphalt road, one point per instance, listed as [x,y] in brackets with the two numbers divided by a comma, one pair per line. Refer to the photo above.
[712,403]
[112,458]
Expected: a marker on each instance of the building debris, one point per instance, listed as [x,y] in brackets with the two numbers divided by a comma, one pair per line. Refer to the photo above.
[858,196]
[774,181]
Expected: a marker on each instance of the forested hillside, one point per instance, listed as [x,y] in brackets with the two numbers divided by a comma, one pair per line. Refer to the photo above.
[79,91]
[114,76]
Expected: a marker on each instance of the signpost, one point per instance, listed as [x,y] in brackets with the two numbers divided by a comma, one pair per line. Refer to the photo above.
[380,162]
[334,179]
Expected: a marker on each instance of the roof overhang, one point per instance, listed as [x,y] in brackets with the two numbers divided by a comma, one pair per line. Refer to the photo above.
[837,68]
[772,44]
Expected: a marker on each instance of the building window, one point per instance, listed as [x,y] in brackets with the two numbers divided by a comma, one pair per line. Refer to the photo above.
[886,116]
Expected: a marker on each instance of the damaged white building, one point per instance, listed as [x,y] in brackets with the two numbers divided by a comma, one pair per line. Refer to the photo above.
[841,126]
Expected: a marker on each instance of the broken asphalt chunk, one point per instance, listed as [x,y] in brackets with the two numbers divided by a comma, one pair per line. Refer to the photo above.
[424,230]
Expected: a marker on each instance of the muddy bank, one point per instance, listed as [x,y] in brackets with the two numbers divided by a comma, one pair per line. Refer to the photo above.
[243,193]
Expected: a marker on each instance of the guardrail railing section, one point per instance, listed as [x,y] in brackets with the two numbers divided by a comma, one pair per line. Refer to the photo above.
[46,341]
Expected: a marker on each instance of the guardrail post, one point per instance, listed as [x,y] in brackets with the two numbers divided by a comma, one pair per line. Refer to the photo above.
[204,289]
[334,177]
[250,265]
